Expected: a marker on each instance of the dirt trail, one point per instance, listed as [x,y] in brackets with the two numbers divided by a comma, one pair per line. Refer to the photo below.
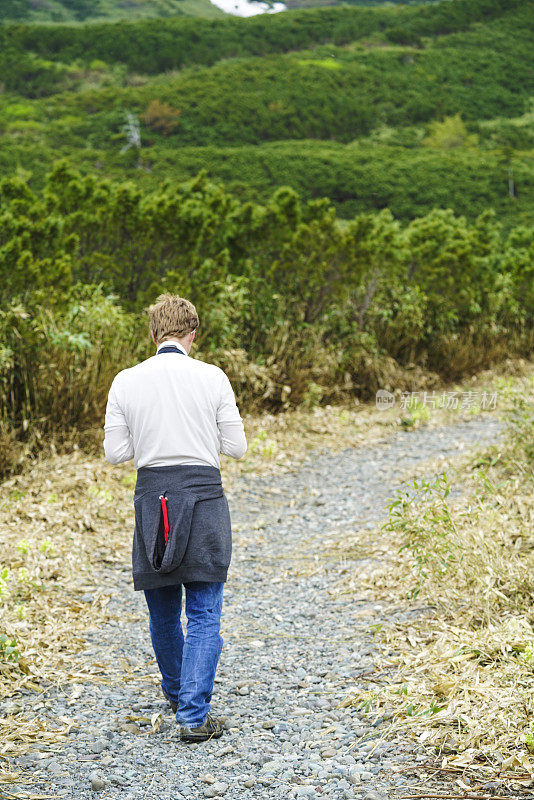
[293,650]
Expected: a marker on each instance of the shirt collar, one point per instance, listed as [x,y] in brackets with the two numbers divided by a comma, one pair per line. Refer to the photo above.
[173,342]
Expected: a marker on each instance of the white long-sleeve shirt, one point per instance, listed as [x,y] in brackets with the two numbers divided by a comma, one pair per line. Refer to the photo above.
[172,409]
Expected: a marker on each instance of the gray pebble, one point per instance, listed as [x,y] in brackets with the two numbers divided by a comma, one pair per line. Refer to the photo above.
[98,746]
[355,776]
[328,753]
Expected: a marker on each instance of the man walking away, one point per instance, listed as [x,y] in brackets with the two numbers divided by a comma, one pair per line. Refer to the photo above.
[173,415]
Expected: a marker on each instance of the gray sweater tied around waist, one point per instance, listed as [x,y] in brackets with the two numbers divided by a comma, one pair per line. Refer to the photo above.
[182,526]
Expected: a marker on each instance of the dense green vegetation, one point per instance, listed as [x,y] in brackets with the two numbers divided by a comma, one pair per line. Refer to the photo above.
[195,156]
[357,177]
[324,93]
[295,306]
[327,101]
[317,3]
[89,10]
[153,46]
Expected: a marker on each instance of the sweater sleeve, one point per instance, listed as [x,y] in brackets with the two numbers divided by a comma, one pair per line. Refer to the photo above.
[118,443]
[232,437]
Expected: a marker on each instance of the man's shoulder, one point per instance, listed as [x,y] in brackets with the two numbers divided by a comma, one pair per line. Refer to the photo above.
[196,364]
[207,372]
[207,367]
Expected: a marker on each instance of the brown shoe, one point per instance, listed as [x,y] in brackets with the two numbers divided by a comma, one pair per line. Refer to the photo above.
[174,704]
[210,729]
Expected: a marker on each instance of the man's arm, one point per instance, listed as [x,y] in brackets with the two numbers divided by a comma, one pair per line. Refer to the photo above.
[231,429]
[118,443]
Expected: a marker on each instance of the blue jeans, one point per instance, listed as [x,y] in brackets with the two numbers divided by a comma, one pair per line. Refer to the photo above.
[187,664]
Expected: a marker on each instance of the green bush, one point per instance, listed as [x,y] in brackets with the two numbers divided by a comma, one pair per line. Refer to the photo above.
[296,306]
[30,75]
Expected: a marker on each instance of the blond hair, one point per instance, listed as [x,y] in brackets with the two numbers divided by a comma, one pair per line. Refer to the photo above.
[172,316]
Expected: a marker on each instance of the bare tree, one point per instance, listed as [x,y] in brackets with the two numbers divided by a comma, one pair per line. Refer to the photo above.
[132,132]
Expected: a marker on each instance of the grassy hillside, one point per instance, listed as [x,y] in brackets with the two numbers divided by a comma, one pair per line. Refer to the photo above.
[90,10]
[422,110]
[407,108]
[357,177]
[153,46]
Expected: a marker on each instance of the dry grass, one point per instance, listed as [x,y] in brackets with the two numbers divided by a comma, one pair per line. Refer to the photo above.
[461,671]
[55,522]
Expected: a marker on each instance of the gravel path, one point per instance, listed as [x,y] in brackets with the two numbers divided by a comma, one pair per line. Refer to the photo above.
[292,651]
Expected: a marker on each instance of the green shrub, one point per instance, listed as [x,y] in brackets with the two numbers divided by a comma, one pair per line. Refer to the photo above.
[296,307]
[8,648]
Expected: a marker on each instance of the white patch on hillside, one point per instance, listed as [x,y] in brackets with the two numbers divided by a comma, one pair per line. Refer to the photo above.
[246,8]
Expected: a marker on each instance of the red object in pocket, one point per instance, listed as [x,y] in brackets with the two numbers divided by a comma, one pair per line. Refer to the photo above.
[165,517]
